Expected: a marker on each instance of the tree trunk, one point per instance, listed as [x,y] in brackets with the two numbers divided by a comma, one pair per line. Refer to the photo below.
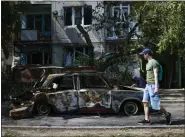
[88,41]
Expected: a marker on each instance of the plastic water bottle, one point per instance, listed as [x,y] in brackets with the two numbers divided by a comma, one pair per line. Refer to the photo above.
[155,103]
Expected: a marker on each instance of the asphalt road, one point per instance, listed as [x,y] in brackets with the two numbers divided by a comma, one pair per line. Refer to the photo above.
[177,110]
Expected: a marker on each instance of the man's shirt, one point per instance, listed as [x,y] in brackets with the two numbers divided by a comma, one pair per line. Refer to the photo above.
[150,66]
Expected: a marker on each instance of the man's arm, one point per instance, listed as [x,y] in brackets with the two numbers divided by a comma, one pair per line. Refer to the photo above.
[156,79]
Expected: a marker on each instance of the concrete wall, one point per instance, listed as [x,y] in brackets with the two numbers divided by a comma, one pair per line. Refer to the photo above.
[67,35]
[57,54]
[70,34]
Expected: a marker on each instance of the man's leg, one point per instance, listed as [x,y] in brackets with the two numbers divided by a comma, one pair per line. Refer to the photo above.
[163,110]
[146,100]
[146,110]
[153,102]
[167,115]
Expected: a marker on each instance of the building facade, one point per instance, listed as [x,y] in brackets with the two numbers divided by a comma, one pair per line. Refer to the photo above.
[49,33]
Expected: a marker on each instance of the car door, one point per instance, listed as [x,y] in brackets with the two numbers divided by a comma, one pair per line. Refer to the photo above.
[93,94]
[65,97]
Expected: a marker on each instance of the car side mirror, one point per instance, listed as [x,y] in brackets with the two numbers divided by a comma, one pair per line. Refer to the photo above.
[55,86]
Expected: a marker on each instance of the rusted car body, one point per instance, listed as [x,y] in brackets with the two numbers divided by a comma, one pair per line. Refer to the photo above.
[84,92]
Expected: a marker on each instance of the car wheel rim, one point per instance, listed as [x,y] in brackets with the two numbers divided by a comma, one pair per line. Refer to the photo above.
[43,109]
[130,108]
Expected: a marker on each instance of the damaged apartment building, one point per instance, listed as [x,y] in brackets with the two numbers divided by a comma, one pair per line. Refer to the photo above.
[49,35]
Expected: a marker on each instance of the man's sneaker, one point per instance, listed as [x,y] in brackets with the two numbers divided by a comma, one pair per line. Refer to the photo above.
[144,122]
[168,119]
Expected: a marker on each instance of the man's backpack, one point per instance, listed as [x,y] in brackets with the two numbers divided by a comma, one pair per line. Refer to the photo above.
[160,72]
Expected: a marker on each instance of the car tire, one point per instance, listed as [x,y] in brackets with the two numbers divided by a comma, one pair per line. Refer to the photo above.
[43,109]
[130,108]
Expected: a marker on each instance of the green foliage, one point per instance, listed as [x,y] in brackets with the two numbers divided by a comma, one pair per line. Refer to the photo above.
[163,25]
[12,88]
[10,22]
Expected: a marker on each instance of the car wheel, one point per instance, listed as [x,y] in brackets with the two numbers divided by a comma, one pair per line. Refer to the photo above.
[43,109]
[130,108]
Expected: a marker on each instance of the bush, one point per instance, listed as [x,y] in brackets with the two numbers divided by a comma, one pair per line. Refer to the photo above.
[9,87]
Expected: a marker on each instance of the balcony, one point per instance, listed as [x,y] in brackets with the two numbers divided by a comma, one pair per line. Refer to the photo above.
[34,35]
[119,31]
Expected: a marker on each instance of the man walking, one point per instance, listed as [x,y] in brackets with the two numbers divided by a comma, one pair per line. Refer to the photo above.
[151,92]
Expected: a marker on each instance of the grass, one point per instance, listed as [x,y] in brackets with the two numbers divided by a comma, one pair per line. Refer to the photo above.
[95,132]
[9,133]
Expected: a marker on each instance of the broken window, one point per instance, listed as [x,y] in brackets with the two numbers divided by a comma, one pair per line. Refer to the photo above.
[30,22]
[38,23]
[38,58]
[47,22]
[120,28]
[88,15]
[42,23]
[78,15]
[91,82]
[64,83]
[68,16]
[71,54]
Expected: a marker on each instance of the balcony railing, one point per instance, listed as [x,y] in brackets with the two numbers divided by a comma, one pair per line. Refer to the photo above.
[29,35]
[34,35]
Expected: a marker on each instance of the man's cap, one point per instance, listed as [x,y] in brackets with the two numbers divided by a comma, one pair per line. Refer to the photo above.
[146,51]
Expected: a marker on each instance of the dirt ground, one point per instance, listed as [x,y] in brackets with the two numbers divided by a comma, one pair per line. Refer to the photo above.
[95,132]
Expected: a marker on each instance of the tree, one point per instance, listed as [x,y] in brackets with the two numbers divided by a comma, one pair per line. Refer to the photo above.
[11,11]
[163,26]
[103,19]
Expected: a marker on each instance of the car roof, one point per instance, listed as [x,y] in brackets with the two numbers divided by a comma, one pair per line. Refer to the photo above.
[72,73]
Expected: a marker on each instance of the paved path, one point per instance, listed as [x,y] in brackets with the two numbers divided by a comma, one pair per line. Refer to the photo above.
[177,110]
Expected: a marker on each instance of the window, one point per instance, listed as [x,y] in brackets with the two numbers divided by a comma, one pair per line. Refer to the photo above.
[47,22]
[120,27]
[77,15]
[91,82]
[88,15]
[64,83]
[68,16]
[72,53]
[42,23]
[38,58]
[38,23]
[30,22]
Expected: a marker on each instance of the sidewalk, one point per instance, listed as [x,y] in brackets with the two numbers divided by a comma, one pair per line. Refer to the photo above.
[169,95]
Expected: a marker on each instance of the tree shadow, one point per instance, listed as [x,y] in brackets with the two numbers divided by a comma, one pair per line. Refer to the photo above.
[67,116]
[174,122]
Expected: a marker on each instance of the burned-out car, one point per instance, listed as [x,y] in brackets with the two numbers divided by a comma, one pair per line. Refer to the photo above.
[83,92]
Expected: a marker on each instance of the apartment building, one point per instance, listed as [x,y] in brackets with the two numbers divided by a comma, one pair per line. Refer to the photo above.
[49,35]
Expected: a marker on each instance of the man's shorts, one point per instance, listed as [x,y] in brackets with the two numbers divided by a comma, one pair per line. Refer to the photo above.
[148,96]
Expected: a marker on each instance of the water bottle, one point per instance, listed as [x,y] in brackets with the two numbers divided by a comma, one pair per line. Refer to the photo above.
[155,103]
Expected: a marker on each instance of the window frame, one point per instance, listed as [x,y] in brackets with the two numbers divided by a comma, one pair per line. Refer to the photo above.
[60,77]
[73,17]
[75,51]
[121,6]
[92,75]
[43,23]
